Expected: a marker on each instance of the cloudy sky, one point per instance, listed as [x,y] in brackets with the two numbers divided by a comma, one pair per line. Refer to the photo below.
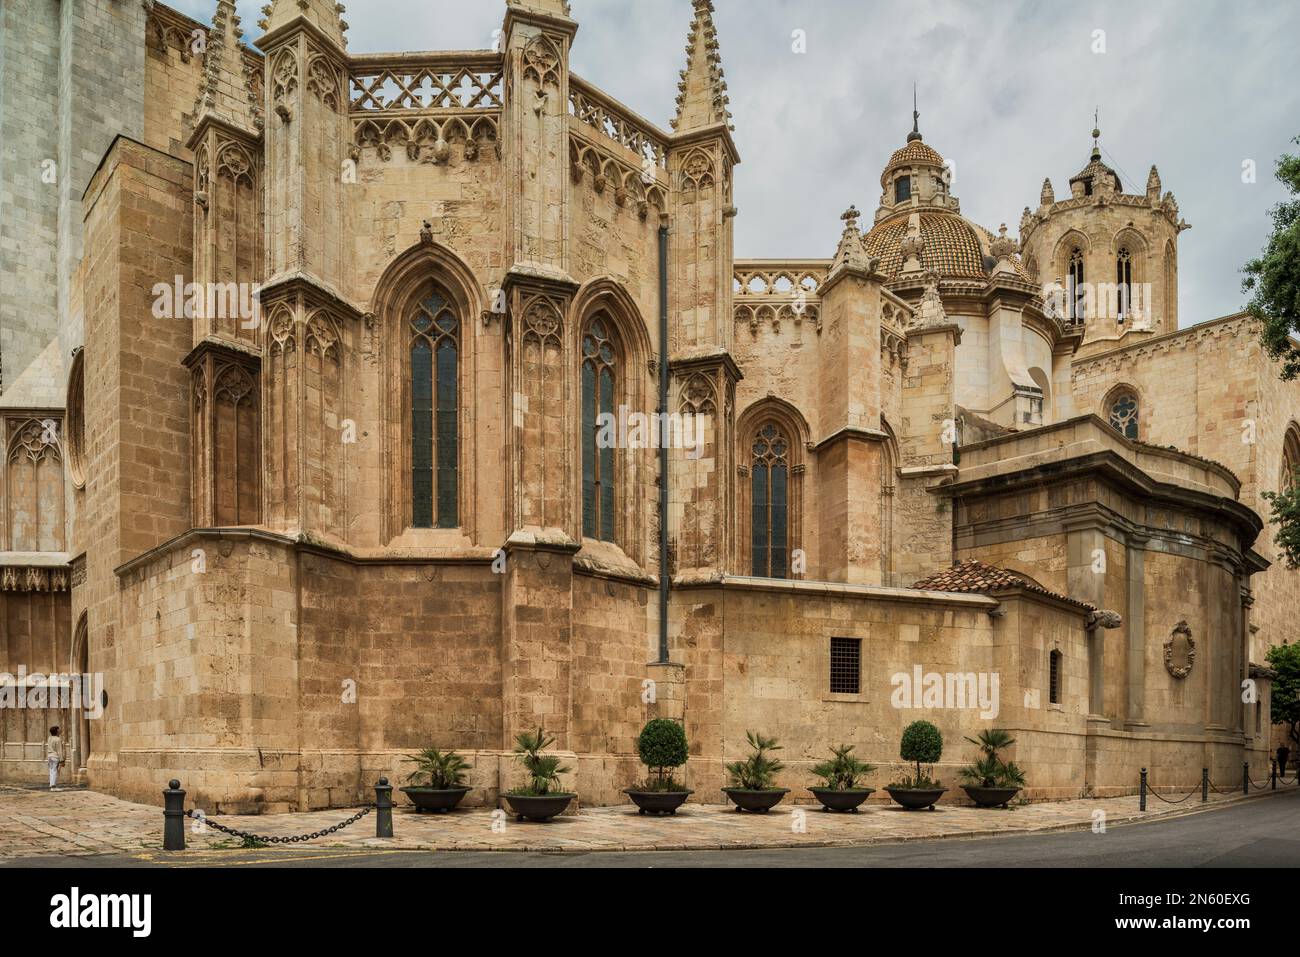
[1007,91]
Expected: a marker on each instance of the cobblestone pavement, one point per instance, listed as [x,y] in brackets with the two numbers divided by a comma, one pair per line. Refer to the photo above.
[80,822]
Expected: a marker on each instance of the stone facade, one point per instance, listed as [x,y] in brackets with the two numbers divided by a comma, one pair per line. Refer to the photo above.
[371,513]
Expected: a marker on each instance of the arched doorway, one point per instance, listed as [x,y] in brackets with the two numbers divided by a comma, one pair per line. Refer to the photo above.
[78,721]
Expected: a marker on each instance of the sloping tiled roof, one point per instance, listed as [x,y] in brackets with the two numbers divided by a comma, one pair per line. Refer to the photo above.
[976,576]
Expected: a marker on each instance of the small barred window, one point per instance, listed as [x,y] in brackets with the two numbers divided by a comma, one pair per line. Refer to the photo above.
[846,665]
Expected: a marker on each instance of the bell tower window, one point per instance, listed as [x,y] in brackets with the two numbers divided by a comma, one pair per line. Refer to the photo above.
[1075,297]
[1124,280]
[902,189]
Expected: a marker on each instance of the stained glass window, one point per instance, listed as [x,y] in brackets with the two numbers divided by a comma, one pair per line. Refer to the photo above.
[769,492]
[434,366]
[1124,415]
[599,380]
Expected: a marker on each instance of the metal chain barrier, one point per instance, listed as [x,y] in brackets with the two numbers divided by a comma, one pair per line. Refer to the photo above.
[174,815]
[273,839]
[1151,791]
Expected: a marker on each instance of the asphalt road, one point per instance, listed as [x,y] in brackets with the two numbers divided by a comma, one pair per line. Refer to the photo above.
[1264,832]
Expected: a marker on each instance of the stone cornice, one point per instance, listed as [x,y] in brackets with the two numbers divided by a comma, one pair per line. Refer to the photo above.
[705,361]
[311,288]
[842,590]
[234,351]
[302,544]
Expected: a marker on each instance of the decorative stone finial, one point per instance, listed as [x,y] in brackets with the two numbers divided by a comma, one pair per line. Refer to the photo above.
[226,88]
[1048,196]
[702,92]
[1003,246]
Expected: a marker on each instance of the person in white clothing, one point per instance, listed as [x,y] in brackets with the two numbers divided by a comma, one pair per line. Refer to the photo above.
[54,755]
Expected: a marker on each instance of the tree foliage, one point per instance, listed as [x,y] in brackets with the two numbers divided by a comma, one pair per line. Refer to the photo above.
[1285,660]
[662,747]
[1273,277]
[1285,515]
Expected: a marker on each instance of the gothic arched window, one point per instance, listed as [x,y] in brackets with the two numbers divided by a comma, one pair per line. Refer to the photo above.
[1291,457]
[1123,414]
[902,189]
[770,502]
[434,368]
[1075,297]
[1124,281]
[599,381]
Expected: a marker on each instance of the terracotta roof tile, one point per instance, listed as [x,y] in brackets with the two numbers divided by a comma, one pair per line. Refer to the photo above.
[976,576]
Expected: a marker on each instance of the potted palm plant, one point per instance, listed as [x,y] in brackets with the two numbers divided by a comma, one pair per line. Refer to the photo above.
[990,781]
[753,780]
[922,744]
[662,747]
[541,798]
[445,771]
[839,790]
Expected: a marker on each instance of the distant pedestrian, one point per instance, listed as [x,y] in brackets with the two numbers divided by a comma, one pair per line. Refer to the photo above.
[1283,754]
[54,755]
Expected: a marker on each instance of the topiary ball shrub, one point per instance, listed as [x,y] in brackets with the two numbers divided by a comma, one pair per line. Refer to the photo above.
[662,747]
[921,744]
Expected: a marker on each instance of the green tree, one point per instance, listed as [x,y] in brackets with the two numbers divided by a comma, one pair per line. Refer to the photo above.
[1286,516]
[1273,278]
[1285,660]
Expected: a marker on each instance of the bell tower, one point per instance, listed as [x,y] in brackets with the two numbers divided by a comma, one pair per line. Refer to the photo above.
[1105,258]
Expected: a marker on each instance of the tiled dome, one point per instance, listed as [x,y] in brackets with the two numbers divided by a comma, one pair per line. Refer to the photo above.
[952,246]
[913,154]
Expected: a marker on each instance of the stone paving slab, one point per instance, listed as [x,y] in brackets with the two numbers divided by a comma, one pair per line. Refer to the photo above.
[41,823]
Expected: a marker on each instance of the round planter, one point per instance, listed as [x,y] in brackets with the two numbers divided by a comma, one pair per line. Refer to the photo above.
[658,802]
[537,807]
[989,797]
[435,799]
[757,802]
[913,799]
[841,800]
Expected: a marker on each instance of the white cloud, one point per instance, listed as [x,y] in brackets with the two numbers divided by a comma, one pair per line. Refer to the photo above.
[1007,90]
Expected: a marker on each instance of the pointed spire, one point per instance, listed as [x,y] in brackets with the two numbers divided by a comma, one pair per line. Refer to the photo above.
[325,15]
[226,90]
[702,93]
[1048,195]
[1096,134]
[916,119]
[1153,183]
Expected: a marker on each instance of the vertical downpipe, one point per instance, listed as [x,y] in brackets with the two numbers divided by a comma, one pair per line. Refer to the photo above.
[663,446]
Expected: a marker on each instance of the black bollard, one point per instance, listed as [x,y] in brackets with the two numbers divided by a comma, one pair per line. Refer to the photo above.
[1142,791]
[383,808]
[173,817]
[1205,785]
[1272,776]
[1245,777]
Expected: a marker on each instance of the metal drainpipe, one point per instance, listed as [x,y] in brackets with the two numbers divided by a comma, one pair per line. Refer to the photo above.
[663,447]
